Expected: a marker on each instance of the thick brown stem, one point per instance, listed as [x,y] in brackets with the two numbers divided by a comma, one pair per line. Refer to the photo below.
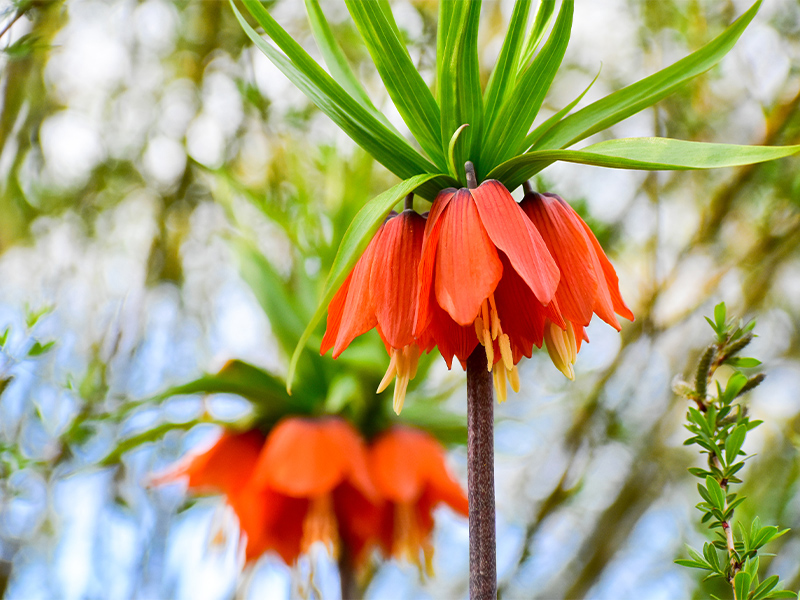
[347,578]
[480,478]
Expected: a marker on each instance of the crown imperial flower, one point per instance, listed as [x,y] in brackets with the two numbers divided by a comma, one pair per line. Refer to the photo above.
[409,470]
[486,276]
[381,292]
[589,284]
[307,482]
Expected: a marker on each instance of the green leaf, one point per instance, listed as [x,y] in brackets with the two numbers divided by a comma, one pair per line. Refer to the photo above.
[32,316]
[544,15]
[360,124]
[735,384]
[38,348]
[537,133]
[766,535]
[407,89]
[741,584]
[344,389]
[354,242]
[451,149]
[4,336]
[710,553]
[458,81]
[236,377]
[693,564]
[650,154]
[628,101]
[734,443]
[505,136]
[337,62]
[272,292]
[501,81]
[720,316]
[743,363]
[784,594]
[715,493]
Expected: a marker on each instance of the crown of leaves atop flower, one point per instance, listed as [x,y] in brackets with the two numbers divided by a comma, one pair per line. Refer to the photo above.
[460,121]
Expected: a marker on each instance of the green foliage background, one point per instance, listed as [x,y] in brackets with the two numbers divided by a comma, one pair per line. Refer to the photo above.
[159,178]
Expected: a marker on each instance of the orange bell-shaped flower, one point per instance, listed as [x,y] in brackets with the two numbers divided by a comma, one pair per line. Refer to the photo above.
[313,480]
[381,292]
[589,284]
[480,257]
[409,470]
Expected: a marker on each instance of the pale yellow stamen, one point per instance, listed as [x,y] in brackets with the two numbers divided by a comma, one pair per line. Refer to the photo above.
[409,539]
[479,329]
[390,372]
[496,330]
[488,329]
[505,351]
[562,347]
[489,346]
[320,525]
[513,378]
[499,376]
[402,366]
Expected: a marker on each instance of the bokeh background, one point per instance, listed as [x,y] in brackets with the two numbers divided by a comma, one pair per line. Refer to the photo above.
[158,177]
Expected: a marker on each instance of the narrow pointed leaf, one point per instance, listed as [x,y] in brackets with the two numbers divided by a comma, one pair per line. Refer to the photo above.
[629,100]
[734,443]
[355,240]
[649,154]
[337,62]
[407,89]
[503,77]
[715,493]
[356,121]
[272,293]
[534,135]
[741,584]
[458,81]
[506,135]
[544,15]
[243,379]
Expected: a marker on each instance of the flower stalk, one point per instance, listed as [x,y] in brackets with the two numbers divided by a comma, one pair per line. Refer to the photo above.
[480,468]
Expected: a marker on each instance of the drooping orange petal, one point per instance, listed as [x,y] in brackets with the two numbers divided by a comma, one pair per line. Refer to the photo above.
[562,230]
[342,436]
[358,313]
[451,338]
[512,233]
[394,281]
[467,266]
[521,315]
[299,460]
[430,242]
[407,463]
[335,310]
[611,279]
[226,467]
[398,465]
[271,521]
[360,521]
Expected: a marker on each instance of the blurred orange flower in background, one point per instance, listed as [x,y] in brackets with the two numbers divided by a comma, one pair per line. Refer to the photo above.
[410,472]
[315,480]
